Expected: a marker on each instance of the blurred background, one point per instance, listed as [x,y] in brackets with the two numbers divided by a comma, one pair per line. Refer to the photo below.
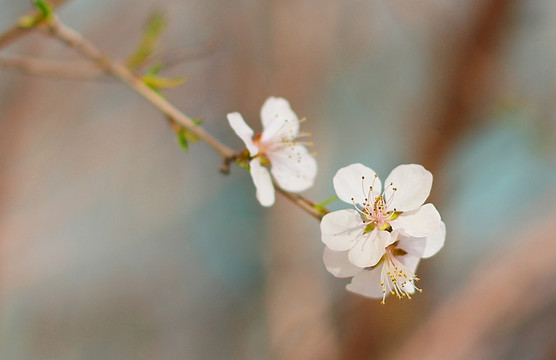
[117,244]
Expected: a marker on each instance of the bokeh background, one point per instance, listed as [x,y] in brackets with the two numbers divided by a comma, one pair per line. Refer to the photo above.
[117,244]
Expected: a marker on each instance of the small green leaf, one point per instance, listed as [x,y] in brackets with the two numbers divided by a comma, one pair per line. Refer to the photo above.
[182,140]
[27,21]
[44,14]
[44,8]
[197,121]
[370,227]
[327,201]
[191,136]
[158,82]
[148,42]
[153,70]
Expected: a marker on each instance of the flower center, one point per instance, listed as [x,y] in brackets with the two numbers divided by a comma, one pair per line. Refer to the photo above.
[375,211]
[395,277]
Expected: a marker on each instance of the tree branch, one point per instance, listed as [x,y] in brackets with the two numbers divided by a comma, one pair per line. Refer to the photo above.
[31,66]
[302,202]
[16,31]
[75,40]
[87,49]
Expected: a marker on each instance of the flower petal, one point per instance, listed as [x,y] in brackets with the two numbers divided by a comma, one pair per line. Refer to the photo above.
[337,263]
[367,283]
[263,182]
[410,262]
[418,223]
[340,229]
[424,247]
[293,167]
[413,183]
[354,181]
[369,248]
[278,108]
[244,132]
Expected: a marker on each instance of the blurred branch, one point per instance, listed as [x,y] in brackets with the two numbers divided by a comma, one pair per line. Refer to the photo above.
[506,287]
[205,49]
[468,82]
[31,66]
[16,31]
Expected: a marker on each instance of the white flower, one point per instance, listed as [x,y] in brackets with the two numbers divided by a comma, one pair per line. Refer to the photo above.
[291,164]
[365,231]
[395,272]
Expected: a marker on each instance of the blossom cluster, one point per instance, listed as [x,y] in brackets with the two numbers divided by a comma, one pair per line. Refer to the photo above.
[381,239]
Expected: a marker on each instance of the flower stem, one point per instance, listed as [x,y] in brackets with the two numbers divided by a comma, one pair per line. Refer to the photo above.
[327,201]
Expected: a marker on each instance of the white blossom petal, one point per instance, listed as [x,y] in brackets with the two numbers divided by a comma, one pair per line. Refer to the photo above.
[369,248]
[340,229]
[278,118]
[293,167]
[354,181]
[263,182]
[367,283]
[410,262]
[424,247]
[418,223]
[244,132]
[413,183]
[337,263]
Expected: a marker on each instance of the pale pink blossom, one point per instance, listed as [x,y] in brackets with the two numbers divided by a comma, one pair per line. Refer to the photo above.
[278,148]
[365,231]
[395,271]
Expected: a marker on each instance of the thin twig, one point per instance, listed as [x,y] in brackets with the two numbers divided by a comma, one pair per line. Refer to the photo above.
[87,49]
[16,31]
[302,202]
[75,40]
[35,67]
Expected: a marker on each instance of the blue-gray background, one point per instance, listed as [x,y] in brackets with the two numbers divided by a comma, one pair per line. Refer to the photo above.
[116,244]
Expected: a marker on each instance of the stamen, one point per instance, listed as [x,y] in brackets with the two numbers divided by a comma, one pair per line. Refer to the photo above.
[389,202]
[358,210]
[395,278]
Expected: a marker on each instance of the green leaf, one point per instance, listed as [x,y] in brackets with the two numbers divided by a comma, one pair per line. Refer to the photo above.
[153,70]
[191,136]
[44,13]
[326,202]
[148,43]
[158,82]
[44,8]
[27,21]
[183,140]
[197,121]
